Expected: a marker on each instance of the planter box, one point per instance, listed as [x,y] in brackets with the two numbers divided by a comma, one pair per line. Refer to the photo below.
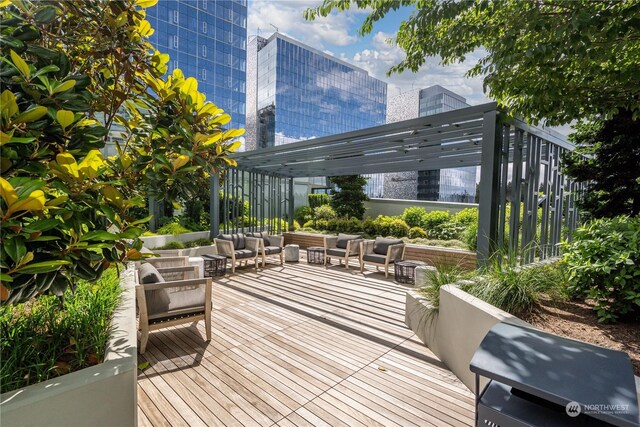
[152,242]
[432,255]
[102,395]
[455,331]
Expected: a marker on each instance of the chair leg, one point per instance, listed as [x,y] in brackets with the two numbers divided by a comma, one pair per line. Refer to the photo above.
[346,263]
[264,260]
[207,326]
[282,257]
[144,338]
[386,271]
[361,266]
[255,261]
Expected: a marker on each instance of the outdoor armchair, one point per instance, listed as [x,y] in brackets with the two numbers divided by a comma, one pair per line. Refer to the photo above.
[171,296]
[270,245]
[238,248]
[381,252]
[343,247]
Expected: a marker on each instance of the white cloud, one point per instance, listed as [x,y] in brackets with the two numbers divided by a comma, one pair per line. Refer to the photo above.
[381,56]
[287,16]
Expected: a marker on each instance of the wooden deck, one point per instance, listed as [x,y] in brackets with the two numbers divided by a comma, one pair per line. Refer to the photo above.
[300,345]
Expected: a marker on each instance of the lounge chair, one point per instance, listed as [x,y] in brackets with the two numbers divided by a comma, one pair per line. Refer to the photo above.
[238,248]
[381,252]
[343,247]
[270,245]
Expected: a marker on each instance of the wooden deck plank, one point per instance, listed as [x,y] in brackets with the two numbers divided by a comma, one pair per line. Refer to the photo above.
[299,345]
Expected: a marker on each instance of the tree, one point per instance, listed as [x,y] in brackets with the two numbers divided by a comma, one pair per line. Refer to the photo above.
[553,60]
[348,200]
[68,71]
[607,160]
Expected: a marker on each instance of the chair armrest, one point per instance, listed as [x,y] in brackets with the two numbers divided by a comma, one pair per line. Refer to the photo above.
[168,261]
[177,284]
[353,246]
[395,252]
[276,241]
[178,273]
[330,242]
[225,247]
[253,244]
[366,247]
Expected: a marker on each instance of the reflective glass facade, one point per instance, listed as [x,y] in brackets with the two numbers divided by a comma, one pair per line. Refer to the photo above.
[436,99]
[207,39]
[303,93]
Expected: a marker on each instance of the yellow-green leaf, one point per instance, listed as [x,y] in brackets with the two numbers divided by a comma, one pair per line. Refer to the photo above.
[5,3]
[230,162]
[144,27]
[34,202]
[89,166]
[190,86]
[177,74]
[222,119]
[65,86]
[31,115]
[233,133]
[212,139]
[65,118]
[113,195]
[4,138]
[8,103]
[180,161]
[68,163]
[21,65]
[7,192]
[146,3]
[235,146]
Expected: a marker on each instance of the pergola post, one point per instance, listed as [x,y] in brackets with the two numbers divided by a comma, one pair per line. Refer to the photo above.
[214,205]
[291,201]
[489,187]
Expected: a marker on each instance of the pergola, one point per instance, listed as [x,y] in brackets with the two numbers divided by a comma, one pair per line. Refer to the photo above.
[506,149]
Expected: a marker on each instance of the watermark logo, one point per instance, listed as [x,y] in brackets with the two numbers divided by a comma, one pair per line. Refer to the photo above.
[573,409]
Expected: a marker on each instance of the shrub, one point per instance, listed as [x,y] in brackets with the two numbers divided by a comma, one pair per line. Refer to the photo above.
[369,226]
[324,212]
[173,245]
[173,228]
[445,274]
[349,197]
[317,200]
[470,237]
[435,219]
[416,233]
[308,224]
[389,226]
[197,242]
[303,214]
[344,225]
[446,231]
[49,337]
[413,216]
[296,225]
[603,261]
[466,217]
[518,290]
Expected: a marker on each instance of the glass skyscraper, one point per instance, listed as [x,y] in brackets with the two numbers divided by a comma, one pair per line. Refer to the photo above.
[302,93]
[207,40]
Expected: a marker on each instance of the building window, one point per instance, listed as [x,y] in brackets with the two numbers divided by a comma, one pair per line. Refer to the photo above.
[175,41]
[204,74]
[204,27]
[175,16]
[204,4]
[204,51]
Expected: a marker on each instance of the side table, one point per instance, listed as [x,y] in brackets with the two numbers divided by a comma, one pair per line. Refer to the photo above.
[315,255]
[292,253]
[405,271]
[214,265]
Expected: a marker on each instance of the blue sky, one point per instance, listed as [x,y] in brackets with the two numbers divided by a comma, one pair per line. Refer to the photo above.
[337,35]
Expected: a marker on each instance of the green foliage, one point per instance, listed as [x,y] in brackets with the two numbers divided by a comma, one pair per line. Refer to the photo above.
[67,213]
[234,206]
[348,200]
[320,224]
[303,214]
[454,244]
[434,219]
[47,337]
[172,228]
[416,232]
[444,274]
[197,242]
[413,216]
[173,245]
[470,237]
[388,226]
[343,225]
[603,261]
[317,200]
[466,217]
[518,291]
[610,167]
[324,212]
[296,225]
[529,48]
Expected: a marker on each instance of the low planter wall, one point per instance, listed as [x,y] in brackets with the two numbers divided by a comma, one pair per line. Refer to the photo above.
[432,255]
[392,207]
[102,395]
[152,242]
[455,331]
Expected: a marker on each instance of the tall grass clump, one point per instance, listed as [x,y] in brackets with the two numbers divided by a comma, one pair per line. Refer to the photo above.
[50,336]
[444,274]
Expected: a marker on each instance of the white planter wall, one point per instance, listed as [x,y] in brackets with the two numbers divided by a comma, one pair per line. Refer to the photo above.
[102,395]
[152,242]
[391,207]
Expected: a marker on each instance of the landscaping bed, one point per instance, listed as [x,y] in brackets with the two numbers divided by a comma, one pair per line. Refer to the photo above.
[578,320]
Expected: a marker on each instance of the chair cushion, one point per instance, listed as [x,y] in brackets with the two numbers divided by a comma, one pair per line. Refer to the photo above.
[270,250]
[336,252]
[244,253]
[343,239]
[147,273]
[381,245]
[378,259]
[237,239]
[261,235]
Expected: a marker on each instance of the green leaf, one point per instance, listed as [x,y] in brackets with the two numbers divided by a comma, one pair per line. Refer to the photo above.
[43,225]
[100,235]
[14,247]
[42,267]
[20,64]
[5,278]
[144,365]
[47,69]
[45,14]
[31,115]
[63,87]
[26,33]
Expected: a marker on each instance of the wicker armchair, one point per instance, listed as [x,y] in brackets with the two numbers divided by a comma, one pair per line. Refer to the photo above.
[343,247]
[270,245]
[238,248]
[171,296]
[381,252]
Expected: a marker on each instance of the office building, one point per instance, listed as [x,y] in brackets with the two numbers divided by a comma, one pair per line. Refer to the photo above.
[207,40]
[295,92]
[451,185]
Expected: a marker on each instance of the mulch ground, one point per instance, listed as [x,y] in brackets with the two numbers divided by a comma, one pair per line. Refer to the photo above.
[578,321]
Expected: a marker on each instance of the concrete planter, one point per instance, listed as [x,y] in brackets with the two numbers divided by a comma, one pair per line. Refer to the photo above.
[152,242]
[455,331]
[102,395]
